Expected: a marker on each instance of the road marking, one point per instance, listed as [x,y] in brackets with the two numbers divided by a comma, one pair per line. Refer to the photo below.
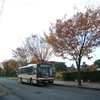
[49,90]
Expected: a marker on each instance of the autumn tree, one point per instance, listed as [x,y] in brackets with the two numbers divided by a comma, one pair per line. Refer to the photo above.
[21,55]
[13,64]
[10,66]
[33,61]
[37,49]
[76,37]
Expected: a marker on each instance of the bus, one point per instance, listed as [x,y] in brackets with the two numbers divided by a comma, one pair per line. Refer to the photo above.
[36,74]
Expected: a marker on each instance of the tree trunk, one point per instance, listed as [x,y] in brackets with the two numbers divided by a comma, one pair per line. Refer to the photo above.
[79,76]
[79,73]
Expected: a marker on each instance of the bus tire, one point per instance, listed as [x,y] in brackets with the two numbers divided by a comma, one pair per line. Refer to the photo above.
[31,82]
[21,80]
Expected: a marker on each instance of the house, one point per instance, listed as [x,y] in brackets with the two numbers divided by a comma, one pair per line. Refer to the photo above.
[71,69]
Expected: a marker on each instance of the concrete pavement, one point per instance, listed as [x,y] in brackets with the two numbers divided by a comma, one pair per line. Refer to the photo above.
[85,85]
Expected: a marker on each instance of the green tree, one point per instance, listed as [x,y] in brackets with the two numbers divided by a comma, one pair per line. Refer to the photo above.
[84,65]
[72,66]
[60,66]
[97,62]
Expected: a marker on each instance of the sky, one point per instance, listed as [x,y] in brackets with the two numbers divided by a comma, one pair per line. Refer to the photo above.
[21,18]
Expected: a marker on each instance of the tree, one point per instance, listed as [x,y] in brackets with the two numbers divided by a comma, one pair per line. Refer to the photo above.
[97,62]
[76,37]
[73,66]
[21,55]
[33,61]
[38,49]
[10,66]
[60,66]
[84,65]
[13,65]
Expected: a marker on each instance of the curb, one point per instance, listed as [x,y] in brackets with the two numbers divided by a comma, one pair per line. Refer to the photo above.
[81,87]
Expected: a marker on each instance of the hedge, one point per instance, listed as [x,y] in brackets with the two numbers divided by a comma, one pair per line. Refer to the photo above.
[85,75]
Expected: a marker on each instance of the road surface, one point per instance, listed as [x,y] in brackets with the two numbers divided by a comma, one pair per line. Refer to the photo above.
[27,92]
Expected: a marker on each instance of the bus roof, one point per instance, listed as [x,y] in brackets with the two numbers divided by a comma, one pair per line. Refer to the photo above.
[32,64]
[27,66]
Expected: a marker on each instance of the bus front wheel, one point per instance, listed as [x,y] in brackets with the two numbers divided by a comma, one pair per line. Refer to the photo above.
[21,80]
[31,82]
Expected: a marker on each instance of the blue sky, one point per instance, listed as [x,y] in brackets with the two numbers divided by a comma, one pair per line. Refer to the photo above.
[21,18]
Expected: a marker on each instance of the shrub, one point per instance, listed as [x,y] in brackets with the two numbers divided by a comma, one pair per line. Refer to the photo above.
[85,75]
[58,76]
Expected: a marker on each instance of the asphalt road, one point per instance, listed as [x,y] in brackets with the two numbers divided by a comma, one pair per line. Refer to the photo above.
[50,92]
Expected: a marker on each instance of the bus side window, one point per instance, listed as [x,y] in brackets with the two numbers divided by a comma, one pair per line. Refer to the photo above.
[22,70]
[34,71]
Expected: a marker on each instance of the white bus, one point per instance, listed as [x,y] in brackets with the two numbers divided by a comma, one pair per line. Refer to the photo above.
[36,74]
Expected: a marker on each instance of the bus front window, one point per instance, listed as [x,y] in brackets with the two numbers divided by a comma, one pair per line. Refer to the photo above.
[45,71]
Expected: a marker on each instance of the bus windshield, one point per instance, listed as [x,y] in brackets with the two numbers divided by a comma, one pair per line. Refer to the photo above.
[45,71]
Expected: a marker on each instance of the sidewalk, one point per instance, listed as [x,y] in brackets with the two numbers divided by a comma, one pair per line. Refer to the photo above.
[85,85]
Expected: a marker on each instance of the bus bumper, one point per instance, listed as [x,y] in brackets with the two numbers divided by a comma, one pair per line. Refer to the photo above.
[45,81]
